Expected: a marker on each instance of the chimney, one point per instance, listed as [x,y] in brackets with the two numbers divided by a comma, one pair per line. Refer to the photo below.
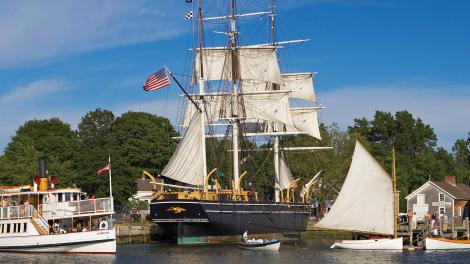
[43,183]
[450,180]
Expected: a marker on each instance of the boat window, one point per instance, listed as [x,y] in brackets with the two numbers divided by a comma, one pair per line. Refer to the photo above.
[1,228]
[67,197]
[25,227]
[59,198]
[14,228]
[8,228]
[75,196]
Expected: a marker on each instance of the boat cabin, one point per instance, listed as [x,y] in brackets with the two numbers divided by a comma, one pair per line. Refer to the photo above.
[441,197]
[45,209]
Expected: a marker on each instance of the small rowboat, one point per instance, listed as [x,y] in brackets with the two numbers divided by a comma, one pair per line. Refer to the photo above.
[446,244]
[261,244]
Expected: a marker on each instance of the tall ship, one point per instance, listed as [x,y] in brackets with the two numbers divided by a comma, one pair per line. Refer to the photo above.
[40,218]
[240,110]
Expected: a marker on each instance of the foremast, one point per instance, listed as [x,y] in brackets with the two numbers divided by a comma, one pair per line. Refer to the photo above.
[234,121]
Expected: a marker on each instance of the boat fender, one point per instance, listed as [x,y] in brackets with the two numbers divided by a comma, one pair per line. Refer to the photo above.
[103,225]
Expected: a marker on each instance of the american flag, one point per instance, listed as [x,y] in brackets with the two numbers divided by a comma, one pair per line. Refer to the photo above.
[157,81]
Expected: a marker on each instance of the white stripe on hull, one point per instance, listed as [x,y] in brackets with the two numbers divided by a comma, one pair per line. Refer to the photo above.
[103,241]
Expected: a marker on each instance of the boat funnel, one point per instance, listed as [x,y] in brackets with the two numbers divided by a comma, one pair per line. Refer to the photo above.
[43,183]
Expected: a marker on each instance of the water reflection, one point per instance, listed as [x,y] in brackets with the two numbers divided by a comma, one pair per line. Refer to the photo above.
[311,251]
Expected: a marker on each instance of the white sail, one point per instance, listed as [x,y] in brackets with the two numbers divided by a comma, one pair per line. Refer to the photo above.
[285,179]
[216,107]
[267,106]
[365,202]
[301,85]
[272,106]
[305,120]
[186,164]
[256,63]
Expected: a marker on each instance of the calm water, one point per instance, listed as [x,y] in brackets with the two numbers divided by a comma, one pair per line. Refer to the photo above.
[312,251]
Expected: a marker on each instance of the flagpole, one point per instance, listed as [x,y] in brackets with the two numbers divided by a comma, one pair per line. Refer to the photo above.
[110,183]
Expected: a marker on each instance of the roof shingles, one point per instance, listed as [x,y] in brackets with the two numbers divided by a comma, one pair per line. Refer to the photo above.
[459,191]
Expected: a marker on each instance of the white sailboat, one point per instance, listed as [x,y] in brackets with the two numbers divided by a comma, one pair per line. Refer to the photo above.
[366,203]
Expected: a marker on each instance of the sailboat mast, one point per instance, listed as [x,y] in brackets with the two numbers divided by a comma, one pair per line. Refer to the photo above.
[235,123]
[201,85]
[277,176]
[395,205]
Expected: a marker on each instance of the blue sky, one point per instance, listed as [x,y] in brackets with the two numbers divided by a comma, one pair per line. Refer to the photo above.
[65,58]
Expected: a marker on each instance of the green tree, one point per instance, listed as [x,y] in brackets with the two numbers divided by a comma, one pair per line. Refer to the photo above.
[50,138]
[145,141]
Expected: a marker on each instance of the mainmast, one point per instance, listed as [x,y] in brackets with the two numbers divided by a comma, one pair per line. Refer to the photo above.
[235,121]
[277,176]
[201,85]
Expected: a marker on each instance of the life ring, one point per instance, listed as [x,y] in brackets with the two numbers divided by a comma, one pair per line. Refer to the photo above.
[104,225]
[45,199]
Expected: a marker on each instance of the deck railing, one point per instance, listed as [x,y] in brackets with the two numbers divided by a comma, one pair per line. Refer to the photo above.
[15,212]
[76,208]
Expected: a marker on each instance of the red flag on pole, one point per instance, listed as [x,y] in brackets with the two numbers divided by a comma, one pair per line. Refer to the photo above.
[107,168]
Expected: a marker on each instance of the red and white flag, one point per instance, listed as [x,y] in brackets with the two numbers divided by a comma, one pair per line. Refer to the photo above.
[107,168]
[157,81]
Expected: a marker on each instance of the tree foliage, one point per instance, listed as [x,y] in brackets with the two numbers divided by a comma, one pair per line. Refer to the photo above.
[138,141]
[134,141]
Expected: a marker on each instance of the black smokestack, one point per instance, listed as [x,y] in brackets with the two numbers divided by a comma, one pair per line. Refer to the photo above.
[42,167]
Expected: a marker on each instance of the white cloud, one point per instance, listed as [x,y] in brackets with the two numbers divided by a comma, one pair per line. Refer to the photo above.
[33,90]
[38,31]
[445,109]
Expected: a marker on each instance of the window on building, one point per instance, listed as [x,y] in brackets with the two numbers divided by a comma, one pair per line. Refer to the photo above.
[442,197]
[442,210]
[420,199]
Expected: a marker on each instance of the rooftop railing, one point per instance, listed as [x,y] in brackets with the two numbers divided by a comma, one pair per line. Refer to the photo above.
[76,208]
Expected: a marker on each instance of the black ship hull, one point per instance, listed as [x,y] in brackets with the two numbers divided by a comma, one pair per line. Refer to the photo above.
[194,221]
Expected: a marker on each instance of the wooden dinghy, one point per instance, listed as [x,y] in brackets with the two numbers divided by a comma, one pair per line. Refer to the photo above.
[437,243]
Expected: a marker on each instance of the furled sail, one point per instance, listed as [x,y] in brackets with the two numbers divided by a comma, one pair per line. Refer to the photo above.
[305,120]
[268,106]
[285,176]
[365,202]
[186,164]
[301,85]
[256,63]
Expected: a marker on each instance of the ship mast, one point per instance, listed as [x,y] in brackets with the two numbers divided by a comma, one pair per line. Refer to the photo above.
[201,85]
[277,176]
[235,121]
